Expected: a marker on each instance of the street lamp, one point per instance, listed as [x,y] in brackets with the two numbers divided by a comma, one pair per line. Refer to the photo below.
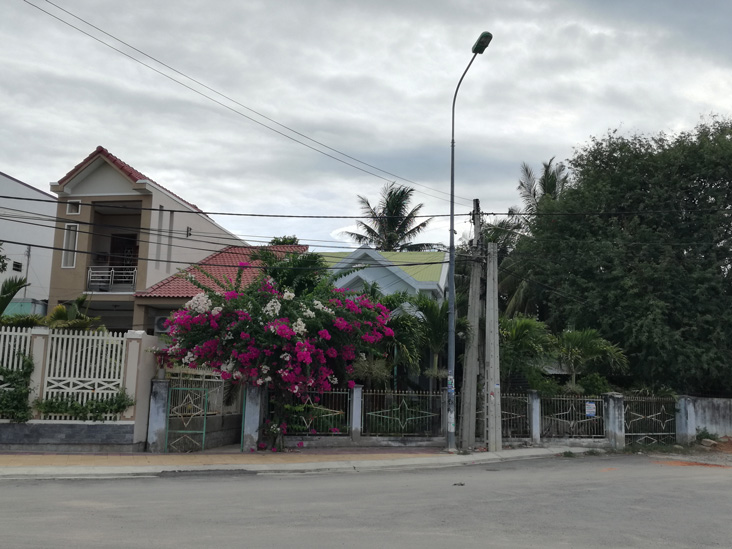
[479,47]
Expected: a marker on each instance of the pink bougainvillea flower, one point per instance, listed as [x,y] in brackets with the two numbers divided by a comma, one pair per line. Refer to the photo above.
[274,449]
[324,334]
[351,384]
[313,431]
[334,430]
[300,444]
[262,446]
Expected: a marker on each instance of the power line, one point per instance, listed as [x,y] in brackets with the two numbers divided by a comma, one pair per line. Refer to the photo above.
[232,214]
[220,103]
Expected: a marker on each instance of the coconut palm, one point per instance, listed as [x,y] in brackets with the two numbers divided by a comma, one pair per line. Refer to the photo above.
[549,185]
[579,349]
[391,225]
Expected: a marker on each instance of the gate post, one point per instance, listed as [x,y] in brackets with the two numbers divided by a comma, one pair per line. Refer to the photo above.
[615,419]
[685,420]
[252,417]
[356,407]
[157,422]
[534,409]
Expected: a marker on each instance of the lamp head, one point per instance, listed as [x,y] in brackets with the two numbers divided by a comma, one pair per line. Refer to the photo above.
[483,40]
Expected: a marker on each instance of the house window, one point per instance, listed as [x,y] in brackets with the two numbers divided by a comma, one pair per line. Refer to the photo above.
[73,207]
[68,256]
[17,266]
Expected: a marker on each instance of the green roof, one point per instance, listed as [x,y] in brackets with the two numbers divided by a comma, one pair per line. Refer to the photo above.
[422,266]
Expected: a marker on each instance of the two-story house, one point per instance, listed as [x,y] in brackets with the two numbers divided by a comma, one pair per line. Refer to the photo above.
[119,232]
[27,220]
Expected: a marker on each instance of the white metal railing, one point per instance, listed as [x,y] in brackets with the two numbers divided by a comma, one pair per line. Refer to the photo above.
[108,278]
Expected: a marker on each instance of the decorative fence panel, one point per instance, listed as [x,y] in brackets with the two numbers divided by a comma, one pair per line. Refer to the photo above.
[186,419]
[203,378]
[321,414]
[82,366]
[572,417]
[650,420]
[402,414]
[515,416]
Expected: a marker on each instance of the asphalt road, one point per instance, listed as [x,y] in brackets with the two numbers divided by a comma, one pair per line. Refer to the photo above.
[583,502]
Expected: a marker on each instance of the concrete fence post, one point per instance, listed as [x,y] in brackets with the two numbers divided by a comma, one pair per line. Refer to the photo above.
[39,351]
[534,411]
[157,423]
[443,411]
[252,417]
[685,420]
[615,420]
[356,412]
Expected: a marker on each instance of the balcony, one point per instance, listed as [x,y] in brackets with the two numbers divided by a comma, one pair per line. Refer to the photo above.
[111,279]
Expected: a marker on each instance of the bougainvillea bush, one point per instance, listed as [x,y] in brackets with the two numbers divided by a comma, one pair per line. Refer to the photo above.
[268,336]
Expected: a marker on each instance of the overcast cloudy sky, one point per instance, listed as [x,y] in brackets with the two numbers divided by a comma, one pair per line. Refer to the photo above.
[373,79]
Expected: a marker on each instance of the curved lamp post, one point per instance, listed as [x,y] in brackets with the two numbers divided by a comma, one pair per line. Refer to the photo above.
[479,47]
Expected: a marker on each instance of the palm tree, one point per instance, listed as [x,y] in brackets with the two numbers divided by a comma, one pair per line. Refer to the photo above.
[550,185]
[391,225]
[578,349]
[525,345]
[515,278]
[10,287]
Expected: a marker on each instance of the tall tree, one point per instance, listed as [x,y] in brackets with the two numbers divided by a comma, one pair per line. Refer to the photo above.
[642,243]
[391,225]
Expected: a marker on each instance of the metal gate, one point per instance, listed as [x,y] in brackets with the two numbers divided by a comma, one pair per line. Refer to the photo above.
[186,419]
[650,420]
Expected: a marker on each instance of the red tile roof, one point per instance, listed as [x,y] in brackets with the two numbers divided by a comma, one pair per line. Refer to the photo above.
[222,265]
[123,167]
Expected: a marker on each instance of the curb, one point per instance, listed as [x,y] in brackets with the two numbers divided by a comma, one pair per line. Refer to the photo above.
[342,466]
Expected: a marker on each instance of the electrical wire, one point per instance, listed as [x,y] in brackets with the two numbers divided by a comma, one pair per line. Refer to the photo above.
[224,105]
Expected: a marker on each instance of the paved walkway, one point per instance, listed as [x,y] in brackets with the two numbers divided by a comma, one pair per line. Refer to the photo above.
[48,465]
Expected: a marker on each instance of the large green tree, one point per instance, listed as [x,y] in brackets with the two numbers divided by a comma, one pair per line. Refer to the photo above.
[637,245]
[391,225]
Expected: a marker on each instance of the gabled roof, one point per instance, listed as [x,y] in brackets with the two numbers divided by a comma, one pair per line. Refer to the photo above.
[136,177]
[31,187]
[422,271]
[222,265]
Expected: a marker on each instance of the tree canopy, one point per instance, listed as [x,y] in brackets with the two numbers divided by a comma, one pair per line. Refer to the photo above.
[637,246]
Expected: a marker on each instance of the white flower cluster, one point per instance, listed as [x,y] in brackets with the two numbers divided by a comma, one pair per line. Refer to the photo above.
[288,295]
[299,327]
[188,358]
[216,310]
[333,380]
[228,366]
[264,369]
[284,356]
[318,305]
[307,313]
[272,308]
[199,303]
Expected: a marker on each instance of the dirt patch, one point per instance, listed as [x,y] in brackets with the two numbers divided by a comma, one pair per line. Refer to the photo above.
[724,446]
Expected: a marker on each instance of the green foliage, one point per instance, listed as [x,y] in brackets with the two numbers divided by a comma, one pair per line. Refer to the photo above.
[701,434]
[9,288]
[546,386]
[3,260]
[595,384]
[93,409]
[14,403]
[302,273]
[391,225]
[525,344]
[639,246]
[22,321]
[579,350]
[284,241]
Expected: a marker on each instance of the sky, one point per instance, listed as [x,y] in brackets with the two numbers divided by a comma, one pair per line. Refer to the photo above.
[366,85]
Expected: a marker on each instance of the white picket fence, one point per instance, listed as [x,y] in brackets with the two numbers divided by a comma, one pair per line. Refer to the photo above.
[83,366]
[14,343]
[79,365]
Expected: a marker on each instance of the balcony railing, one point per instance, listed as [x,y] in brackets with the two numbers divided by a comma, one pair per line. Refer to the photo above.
[111,279]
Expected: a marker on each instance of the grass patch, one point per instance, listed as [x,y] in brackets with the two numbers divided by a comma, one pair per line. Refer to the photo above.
[568,454]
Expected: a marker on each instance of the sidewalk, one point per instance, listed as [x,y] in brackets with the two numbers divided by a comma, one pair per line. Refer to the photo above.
[41,465]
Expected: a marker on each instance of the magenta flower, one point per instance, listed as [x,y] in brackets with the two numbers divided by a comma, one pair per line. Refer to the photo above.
[300,444]
[324,334]
[351,384]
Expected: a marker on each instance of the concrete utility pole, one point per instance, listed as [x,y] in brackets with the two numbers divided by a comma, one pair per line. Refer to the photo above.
[470,366]
[492,387]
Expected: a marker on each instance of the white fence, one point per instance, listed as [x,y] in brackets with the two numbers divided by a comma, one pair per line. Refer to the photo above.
[14,343]
[83,366]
